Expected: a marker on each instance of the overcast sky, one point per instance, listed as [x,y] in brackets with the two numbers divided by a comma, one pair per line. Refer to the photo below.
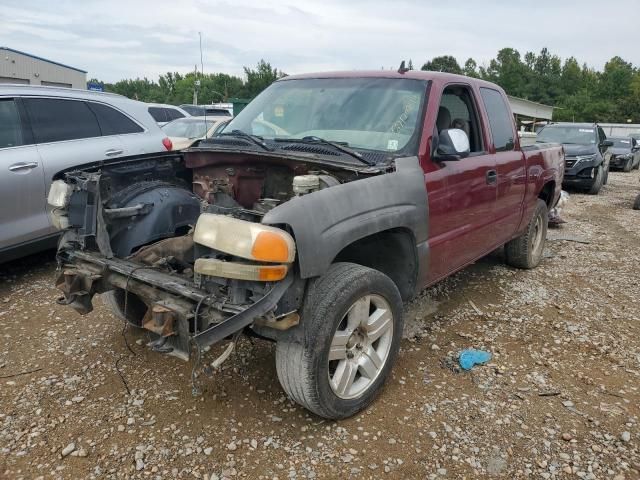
[115,39]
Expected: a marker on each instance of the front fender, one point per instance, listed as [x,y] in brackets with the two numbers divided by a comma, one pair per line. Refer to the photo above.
[326,221]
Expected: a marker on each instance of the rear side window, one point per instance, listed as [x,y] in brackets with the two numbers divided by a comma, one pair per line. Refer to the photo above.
[158,114]
[173,114]
[56,120]
[112,122]
[499,119]
[11,130]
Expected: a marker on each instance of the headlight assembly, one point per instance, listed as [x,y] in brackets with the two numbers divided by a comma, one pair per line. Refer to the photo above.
[240,238]
[585,158]
[59,194]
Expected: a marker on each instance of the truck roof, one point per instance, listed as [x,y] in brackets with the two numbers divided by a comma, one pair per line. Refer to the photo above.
[413,74]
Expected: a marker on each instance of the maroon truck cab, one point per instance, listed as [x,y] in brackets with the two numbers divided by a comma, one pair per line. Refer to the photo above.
[486,199]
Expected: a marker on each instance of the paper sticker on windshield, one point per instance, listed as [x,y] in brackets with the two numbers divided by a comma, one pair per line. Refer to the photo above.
[278,111]
[585,130]
[626,142]
[392,145]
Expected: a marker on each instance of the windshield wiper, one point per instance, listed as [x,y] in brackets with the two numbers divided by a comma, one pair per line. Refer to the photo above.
[253,138]
[321,141]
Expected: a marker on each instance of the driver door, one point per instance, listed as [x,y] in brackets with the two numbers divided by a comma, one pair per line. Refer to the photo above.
[462,193]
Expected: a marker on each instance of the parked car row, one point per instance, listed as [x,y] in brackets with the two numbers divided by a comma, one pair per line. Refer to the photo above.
[46,129]
[184,132]
[590,154]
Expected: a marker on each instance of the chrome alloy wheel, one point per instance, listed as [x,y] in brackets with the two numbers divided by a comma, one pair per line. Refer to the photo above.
[537,240]
[360,346]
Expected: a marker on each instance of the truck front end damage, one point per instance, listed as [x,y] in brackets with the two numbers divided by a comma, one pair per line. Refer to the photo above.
[181,251]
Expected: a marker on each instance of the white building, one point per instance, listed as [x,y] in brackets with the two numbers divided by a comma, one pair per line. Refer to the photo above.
[24,68]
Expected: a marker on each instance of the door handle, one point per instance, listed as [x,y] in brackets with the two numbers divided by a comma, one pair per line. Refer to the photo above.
[18,167]
[491,177]
[113,152]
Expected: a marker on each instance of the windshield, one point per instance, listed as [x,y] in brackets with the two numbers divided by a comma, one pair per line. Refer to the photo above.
[567,134]
[369,113]
[188,128]
[621,142]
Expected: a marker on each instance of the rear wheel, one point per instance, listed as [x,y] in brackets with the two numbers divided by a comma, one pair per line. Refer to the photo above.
[598,181]
[526,250]
[352,327]
[135,307]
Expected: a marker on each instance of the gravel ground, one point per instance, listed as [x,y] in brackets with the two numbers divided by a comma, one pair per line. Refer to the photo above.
[560,398]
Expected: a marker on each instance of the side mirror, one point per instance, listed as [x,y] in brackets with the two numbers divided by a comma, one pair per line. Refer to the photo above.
[453,144]
[606,144]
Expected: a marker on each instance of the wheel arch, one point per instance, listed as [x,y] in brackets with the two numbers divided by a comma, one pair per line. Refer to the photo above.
[392,252]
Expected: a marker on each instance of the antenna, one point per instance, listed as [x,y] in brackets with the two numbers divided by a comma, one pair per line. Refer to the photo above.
[201,64]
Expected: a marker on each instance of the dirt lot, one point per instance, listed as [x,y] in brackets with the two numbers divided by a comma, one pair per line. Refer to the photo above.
[560,399]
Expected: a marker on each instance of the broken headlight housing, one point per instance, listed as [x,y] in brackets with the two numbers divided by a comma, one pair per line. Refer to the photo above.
[58,200]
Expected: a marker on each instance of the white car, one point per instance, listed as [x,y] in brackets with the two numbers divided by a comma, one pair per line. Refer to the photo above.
[44,130]
[163,113]
[184,132]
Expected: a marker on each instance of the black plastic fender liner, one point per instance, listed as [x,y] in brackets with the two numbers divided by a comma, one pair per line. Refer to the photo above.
[168,209]
[326,221]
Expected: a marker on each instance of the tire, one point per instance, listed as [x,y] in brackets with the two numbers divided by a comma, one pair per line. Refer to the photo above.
[628,165]
[336,307]
[636,204]
[136,308]
[526,250]
[598,181]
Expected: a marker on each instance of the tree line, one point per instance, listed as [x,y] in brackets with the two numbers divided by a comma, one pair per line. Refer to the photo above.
[580,92]
[176,88]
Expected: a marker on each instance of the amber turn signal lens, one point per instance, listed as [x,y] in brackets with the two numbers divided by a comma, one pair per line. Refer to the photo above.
[240,271]
[272,273]
[270,247]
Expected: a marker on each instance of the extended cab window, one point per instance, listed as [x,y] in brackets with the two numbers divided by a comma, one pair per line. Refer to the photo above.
[500,120]
[56,120]
[11,131]
[112,122]
[457,110]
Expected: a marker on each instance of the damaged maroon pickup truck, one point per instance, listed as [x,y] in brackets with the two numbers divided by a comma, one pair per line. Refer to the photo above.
[325,203]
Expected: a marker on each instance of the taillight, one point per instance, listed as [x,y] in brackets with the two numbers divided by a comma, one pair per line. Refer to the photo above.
[167,143]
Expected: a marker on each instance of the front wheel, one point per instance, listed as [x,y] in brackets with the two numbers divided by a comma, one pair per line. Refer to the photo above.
[628,165]
[526,250]
[636,204]
[598,181]
[351,331]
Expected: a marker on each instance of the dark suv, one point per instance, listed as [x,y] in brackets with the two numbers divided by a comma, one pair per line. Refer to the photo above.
[584,144]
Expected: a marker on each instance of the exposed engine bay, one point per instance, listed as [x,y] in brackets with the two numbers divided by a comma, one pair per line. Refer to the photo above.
[178,244]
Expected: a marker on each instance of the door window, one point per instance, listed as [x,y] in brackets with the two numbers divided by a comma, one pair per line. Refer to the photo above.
[56,120]
[112,122]
[11,131]
[458,110]
[500,120]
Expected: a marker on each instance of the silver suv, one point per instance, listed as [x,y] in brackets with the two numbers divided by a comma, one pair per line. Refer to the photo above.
[44,130]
